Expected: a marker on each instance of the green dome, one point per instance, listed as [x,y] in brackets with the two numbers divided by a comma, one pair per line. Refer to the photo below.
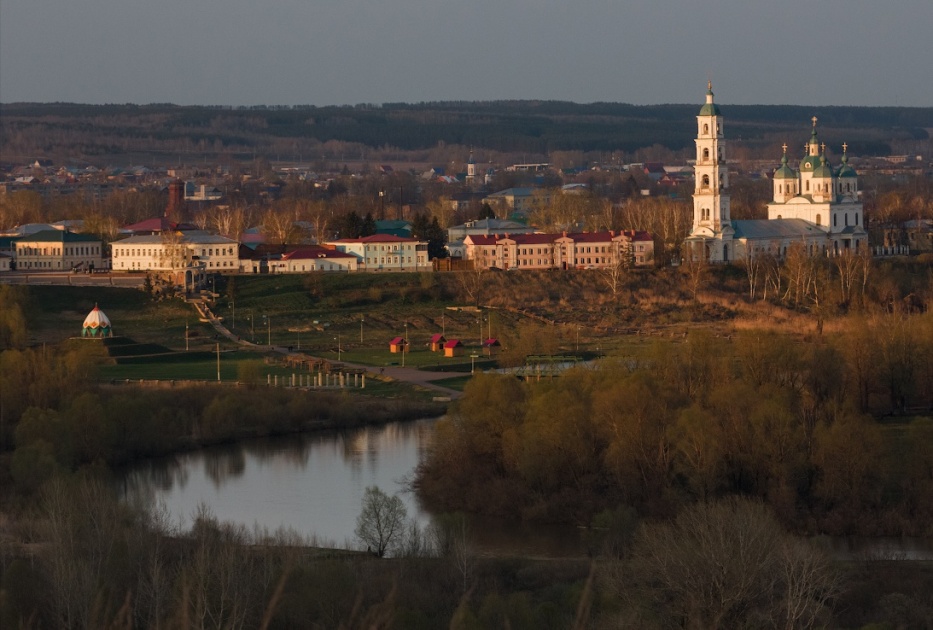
[784,171]
[710,109]
[823,171]
[810,163]
[845,170]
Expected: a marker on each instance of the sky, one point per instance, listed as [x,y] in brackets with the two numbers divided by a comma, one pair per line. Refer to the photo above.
[338,52]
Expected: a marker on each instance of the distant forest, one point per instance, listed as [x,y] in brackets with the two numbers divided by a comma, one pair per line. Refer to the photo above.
[536,129]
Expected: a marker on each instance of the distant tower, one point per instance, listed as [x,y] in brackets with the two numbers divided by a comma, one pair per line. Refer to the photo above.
[176,201]
[471,170]
[711,220]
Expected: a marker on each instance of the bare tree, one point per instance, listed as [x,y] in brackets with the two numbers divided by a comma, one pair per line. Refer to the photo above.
[381,523]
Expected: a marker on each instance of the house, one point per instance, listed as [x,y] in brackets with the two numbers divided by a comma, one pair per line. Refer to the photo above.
[453,348]
[399,344]
[5,262]
[183,257]
[59,250]
[582,250]
[313,258]
[385,252]
[437,342]
[491,346]
[519,200]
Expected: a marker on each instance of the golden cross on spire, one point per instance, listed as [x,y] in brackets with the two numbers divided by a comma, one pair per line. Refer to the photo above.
[784,146]
[814,121]
[823,147]
[709,84]
[845,147]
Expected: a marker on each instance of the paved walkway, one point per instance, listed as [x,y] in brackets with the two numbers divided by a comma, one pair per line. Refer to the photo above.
[414,376]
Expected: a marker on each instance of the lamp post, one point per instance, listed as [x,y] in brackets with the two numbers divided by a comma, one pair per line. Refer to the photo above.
[361,330]
[233,308]
[473,363]
[268,319]
[405,344]
[338,346]
[218,361]
[578,338]
[186,335]
[252,330]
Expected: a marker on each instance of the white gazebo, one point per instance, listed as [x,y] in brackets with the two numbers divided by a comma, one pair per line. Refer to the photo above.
[97,324]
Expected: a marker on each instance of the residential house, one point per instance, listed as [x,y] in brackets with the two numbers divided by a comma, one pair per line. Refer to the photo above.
[309,259]
[59,250]
[385,252]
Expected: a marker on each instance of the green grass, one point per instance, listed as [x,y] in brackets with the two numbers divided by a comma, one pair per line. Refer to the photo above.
[454,382]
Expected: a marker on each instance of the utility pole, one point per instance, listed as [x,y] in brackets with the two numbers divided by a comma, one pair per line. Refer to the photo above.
[218,361]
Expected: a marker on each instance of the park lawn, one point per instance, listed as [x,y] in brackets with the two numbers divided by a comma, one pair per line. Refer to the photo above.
[454,382]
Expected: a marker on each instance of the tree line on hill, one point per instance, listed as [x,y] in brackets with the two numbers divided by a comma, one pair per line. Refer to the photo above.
[516,127]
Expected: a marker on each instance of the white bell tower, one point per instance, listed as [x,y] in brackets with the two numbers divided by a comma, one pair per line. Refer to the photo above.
[710,202]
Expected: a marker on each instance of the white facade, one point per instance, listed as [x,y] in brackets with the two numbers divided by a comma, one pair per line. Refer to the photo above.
[175,251]
[384,252]
[314,259]
[58,250]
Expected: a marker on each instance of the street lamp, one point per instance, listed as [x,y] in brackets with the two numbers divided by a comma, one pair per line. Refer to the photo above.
[473,363]
[361,330]
[268,319]
[338,346]
[405,344]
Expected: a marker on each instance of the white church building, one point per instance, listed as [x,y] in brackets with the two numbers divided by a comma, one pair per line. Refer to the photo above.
[814,205]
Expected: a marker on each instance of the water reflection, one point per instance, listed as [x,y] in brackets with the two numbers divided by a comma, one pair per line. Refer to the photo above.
[312,484]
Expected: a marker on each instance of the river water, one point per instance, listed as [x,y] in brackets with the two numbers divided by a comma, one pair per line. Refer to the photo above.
[313,484]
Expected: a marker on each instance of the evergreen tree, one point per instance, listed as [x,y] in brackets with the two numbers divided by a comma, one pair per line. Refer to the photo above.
[368,226]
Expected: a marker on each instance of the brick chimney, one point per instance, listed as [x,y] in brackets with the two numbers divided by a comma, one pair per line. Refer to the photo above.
[176,201]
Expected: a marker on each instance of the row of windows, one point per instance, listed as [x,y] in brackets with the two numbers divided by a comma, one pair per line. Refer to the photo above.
[158,251]
[57,251]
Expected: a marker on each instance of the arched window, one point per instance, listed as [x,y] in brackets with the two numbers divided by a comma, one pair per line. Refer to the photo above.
[705,154]
[706,181]
[808,185]
[856,219]
[835,220]
[819,219]
[846,216]
[705,129]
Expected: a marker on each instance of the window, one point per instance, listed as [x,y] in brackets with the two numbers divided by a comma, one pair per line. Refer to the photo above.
[808,185]
[835,220]
[819,219]
[706,181]
[705,154]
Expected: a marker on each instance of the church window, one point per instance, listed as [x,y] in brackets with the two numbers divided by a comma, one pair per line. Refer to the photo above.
[705,154]
[856,218]
[835,222]
[705,129]
[847,218]
[808,185]
[819,219]
[706,181]
[779,217]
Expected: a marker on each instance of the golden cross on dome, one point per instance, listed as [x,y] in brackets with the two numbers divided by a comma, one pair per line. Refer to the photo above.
[845,147]
[709,84]
[784,146]
[814,121]
[823,147]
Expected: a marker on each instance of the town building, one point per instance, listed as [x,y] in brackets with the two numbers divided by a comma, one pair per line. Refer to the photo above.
[814,205]
[582,250]
[385,252]
[59,250]
[185,258]
[309,259]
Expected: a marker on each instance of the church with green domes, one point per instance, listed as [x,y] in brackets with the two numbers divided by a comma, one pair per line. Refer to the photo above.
[815,204]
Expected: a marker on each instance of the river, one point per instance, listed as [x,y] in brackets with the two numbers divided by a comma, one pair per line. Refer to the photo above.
[313,484]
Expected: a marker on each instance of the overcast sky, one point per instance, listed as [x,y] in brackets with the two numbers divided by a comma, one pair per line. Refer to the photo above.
[327,52]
